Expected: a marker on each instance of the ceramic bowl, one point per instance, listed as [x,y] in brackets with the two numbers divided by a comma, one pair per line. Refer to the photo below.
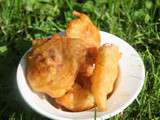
[127,87]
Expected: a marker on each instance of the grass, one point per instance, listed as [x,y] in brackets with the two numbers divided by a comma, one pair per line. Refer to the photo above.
[137,22]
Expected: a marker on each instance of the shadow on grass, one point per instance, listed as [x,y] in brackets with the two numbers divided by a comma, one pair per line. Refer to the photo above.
[12,104]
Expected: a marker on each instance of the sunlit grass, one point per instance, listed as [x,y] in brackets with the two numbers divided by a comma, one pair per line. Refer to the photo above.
[137,22]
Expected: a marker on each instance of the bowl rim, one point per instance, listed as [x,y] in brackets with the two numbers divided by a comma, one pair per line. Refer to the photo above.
[105,116]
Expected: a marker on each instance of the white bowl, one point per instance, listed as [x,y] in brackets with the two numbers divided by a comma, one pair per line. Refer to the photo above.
[128,85]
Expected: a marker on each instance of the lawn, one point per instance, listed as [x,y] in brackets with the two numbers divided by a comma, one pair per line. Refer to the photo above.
[136,21]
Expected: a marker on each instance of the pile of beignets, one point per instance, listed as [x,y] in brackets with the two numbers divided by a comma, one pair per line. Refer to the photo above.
[73,68]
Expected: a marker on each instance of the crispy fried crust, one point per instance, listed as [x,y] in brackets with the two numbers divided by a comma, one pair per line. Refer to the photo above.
[105,74]
[77,99]
[63,67]
[53,64]
[51,69]
[83,28]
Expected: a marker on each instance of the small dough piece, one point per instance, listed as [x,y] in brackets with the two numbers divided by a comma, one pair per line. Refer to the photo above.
[77,99]
[105,74]
[83,28]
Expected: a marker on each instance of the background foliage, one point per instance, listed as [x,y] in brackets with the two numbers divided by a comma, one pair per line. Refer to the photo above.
[136,21]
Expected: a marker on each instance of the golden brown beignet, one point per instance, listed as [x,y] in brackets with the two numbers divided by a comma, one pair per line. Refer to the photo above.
[105,74]
[77,99]
[51,68]
[83,28]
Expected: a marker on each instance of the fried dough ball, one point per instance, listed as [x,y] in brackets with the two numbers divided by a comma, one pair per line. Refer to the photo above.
[83,28]
[105,74]
[53,64]
[77,99]
[51,68]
